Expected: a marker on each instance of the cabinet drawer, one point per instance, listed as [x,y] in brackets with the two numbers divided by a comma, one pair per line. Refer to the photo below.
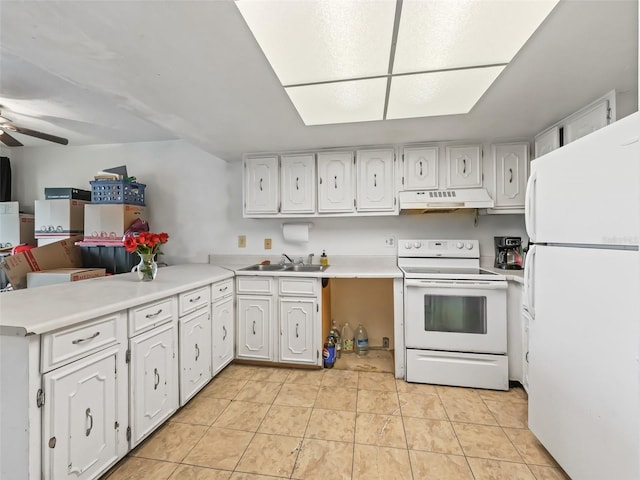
[193,299]
[221,289]
[298,286]
[260,285]
[64,346]
[151,315]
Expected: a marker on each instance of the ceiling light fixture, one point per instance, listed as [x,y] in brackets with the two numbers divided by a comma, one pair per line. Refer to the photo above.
[346,61]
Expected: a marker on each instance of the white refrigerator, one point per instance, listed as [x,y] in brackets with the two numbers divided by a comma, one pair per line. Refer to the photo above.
[582,295]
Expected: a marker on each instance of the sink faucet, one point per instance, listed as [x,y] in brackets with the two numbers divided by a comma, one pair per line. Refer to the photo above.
[310,259]
[284,255]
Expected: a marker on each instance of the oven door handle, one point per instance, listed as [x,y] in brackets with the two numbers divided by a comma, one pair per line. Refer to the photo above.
[499,285]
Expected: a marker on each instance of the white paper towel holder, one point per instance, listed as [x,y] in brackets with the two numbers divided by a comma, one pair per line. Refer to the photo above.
[306,225]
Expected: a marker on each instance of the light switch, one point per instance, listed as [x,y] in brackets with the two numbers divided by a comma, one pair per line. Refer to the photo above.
[267,244]
[242,241]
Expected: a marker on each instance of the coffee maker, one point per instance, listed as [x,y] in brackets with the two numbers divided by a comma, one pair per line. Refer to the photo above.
[508,252]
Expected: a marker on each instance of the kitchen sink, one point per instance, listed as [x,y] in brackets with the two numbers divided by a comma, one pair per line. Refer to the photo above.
[272,267]
[307,268]
[276,267]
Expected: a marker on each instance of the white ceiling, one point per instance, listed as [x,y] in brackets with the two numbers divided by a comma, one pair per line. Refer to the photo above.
[127,71]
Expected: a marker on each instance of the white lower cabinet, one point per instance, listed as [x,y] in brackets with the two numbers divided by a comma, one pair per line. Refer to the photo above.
[195,353]
[254,327]
[153,379]
[279,325]
[222,329]
[83,416]
[296,330]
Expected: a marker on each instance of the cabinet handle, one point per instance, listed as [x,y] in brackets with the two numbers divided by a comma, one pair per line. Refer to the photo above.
[152,315]
[420,167]
[335,181]
[90,417]
[82,340]
[224,332]
[526,357]
[375,179]
[511,175]
[296,330]
[254,327]
[464,165]
[191,300]
[260,185]
[297,180]
[320,181]
[223,289]
[197,352]
[157,377]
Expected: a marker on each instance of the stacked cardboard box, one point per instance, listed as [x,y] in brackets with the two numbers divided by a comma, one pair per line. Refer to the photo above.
[15,228]
[57,220]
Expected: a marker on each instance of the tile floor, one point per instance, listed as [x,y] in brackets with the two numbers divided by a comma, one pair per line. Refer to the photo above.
[258,423]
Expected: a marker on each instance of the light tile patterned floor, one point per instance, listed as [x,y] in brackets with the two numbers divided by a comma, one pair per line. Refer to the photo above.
[259,423]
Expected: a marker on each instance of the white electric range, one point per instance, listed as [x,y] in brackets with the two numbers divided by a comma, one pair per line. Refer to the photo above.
[455,315]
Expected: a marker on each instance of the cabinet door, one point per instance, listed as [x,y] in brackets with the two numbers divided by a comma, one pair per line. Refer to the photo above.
[195,353]
[464,169]
[511,167]
[254,327]
[335,182]
[261,185]
[81,418]
[375,180]
[547,142]
[420,168]
[298,183]
[153,377]
[296,331]
[222,332]
[586,122]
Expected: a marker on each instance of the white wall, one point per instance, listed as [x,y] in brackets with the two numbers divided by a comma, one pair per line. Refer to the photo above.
[197,199]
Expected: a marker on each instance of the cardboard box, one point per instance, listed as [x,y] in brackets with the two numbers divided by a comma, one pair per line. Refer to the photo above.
[59,217]
[67,193]
[62,275]
[15,228]
[108,222]
[62,254]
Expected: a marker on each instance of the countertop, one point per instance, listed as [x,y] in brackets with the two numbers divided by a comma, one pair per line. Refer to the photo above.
[512,275]
[352,266]
[44,309]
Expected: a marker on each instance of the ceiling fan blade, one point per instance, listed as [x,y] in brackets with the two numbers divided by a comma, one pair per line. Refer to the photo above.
[34,133]
[8,140]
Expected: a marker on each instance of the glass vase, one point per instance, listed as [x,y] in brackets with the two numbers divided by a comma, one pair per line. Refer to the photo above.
[147,269]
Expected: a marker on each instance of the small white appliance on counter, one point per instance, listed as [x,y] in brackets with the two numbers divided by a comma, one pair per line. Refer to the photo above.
[582,290]
[455,315]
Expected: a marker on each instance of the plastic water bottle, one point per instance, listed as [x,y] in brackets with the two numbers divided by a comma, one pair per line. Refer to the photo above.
[362,340]
[335,333]
[347,338]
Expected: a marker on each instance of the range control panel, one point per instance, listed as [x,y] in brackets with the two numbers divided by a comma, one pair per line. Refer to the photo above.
[439,248]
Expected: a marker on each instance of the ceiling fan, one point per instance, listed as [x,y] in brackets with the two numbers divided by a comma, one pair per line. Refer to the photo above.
[7,125]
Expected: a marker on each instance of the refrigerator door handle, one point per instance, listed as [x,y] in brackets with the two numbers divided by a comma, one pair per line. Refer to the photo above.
[529,206]
[529,276]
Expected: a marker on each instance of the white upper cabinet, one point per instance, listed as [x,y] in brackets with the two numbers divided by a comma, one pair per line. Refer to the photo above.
[261,185]
[420,168]
[298,183]
[335,182]
[375,180]
[464,167]
[511,167]
[547,141]
[587,121]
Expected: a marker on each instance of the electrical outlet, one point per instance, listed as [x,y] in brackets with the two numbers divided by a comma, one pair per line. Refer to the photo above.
[385,342]
[242,241]
[267,244]
[390,241]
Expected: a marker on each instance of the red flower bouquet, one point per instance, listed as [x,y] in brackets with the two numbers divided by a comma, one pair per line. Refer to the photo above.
[146,243]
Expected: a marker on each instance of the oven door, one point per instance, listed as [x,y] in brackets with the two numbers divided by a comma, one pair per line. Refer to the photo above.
[456,315]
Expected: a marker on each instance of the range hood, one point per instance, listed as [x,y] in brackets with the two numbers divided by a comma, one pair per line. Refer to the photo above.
[424,201]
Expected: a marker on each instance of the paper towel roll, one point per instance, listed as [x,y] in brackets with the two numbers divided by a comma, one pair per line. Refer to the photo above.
[295,232]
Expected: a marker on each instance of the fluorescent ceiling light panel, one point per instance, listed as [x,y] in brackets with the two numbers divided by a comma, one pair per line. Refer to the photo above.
[340,102]
[436,35]
[439,93]
[322,40]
